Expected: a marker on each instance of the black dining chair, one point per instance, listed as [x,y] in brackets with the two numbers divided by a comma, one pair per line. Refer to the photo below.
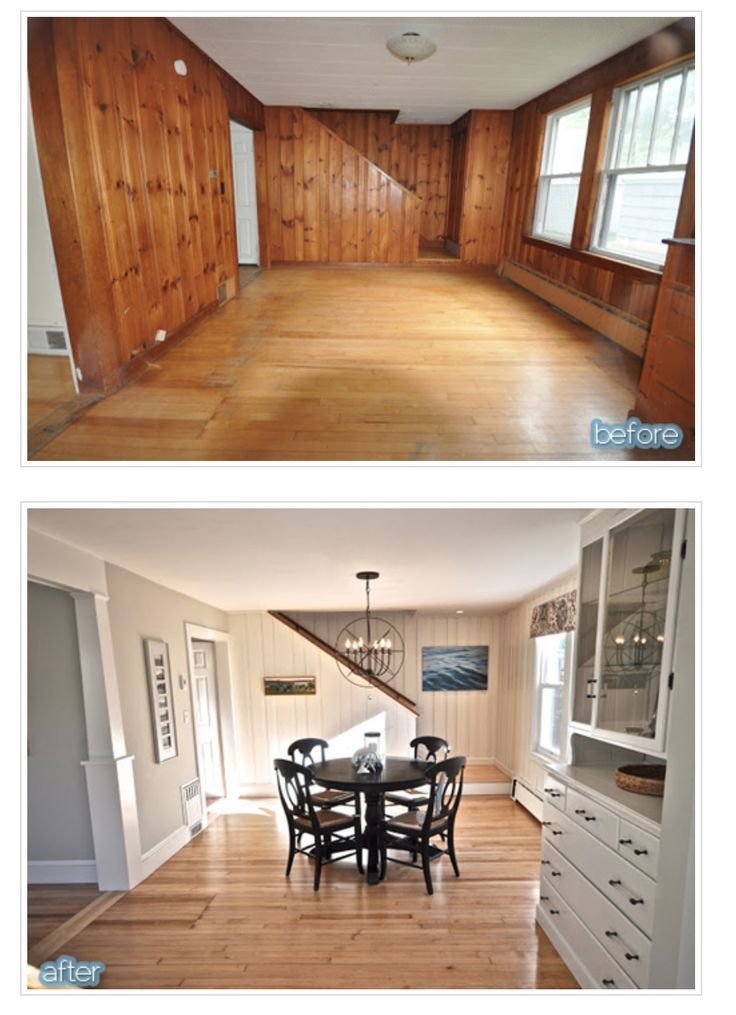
[425,749]
[311,751]
[413,831]
[294,784]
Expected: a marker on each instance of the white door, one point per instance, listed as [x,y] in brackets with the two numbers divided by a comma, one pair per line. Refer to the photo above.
[244,179]
[204,697]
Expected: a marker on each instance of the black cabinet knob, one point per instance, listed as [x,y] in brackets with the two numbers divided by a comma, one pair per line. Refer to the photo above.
[624,842]
[641,852]
[614,883]
[554,912]
[546,822]
[555,874]
[632,958]
[611,933]
[543,898]
[609,983]
[556,832]
[636,902]
[589,817]
[546,862]
[580,811]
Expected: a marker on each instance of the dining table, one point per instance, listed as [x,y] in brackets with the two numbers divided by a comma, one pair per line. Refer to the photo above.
[396,774]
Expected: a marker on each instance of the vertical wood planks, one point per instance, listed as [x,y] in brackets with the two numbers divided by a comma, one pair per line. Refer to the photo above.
[327,202]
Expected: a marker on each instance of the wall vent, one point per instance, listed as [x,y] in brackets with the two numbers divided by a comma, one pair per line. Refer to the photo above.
[48,340]
[221,293]
[191,803]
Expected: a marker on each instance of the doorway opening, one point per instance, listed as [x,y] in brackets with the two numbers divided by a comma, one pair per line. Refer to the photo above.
[244,198]
[205,707]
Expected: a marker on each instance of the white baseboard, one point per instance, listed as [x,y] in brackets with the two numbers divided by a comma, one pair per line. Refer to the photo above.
[62,872]
[259,790]
[525,796]
[487,788]
[152,859]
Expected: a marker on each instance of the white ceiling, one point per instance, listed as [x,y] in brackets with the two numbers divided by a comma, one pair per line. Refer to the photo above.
[481,63]
[305,559]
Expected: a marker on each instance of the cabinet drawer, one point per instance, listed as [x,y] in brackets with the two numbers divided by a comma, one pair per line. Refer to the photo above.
[621,939]
[554,791]
[603,972]
[641,848]
[621,882]
[593,817]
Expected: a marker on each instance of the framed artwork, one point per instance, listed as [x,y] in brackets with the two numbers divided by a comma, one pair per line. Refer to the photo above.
[285,686]
[455,668]
[158,670]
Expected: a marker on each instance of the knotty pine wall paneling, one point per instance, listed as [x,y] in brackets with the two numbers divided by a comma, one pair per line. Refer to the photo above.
[327,202]
[143,231]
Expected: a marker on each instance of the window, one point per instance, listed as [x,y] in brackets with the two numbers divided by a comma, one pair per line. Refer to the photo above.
[553,653]
[648,147]
[559,181]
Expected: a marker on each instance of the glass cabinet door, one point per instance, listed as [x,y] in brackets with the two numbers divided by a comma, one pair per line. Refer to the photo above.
[639,561]
[586,631]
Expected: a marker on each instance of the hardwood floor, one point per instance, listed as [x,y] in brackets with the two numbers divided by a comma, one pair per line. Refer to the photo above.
[221,914]
[50,384]
[51,905]
[361,364]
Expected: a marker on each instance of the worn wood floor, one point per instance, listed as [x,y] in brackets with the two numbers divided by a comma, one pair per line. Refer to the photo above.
[49,906]
[50,385]
[335,364]
[221,914]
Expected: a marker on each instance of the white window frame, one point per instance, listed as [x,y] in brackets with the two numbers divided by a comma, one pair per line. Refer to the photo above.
[543,180]
[613,143]
[537,750]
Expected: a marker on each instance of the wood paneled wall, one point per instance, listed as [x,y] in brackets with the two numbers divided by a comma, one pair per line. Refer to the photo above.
[327,202]
[624,287]
[137,175]
[465,718]
[338,712]
[417,155]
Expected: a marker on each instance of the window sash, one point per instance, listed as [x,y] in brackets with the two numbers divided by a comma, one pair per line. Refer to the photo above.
[562,687]
[545,176]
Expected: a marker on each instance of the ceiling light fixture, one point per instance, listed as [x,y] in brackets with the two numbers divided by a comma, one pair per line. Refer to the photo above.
[411,47]
[369,646]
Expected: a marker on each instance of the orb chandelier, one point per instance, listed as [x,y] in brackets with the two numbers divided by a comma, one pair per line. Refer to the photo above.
[411,47]
[369,647]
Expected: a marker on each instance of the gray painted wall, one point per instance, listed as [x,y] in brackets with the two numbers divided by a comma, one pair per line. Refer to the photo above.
[59,826]
[143,609]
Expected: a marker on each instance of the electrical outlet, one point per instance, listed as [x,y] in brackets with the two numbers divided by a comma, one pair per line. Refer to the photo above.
[160,335]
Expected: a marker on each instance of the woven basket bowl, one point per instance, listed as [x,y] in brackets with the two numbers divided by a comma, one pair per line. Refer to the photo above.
[648,779]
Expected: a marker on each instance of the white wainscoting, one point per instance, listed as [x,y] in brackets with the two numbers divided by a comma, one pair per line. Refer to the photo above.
[339,712]
[62,872]
[465,718]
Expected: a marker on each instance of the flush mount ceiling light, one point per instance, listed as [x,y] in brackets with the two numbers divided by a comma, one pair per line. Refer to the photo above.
[411,47]
[369,646]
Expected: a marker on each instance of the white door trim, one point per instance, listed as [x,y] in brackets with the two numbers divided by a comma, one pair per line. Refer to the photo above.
[225,701]
[109,768]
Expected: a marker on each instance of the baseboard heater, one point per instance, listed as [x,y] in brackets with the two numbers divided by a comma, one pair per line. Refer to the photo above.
[622,328]
[527,797]
[191,803]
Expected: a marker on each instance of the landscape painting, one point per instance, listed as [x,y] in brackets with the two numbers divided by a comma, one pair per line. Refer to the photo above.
[455,668]
[282,686]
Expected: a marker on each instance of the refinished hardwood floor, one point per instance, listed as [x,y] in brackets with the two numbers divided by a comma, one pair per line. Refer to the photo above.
[335,364]
[221,914]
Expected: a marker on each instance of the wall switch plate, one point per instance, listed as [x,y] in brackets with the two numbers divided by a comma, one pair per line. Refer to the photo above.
[160,335]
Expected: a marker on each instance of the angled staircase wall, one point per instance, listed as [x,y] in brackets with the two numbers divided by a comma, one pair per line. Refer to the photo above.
[328,203]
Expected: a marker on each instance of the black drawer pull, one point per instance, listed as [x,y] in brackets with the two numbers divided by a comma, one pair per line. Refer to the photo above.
[611,933]
[580,811]
[641,852]
[632,958]
[556,832]
[590,818]
[554,912]
[624,842]
[546,862]
[590,696]
[546,822]
[556,874]
[636,902]
[614,883]
[609,983]
[544,898]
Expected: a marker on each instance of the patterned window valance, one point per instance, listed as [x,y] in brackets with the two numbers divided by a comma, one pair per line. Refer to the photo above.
[554,617]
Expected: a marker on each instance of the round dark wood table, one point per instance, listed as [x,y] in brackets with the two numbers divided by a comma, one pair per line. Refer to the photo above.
[397,773]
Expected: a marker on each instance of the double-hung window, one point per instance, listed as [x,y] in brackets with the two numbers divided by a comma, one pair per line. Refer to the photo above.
[559,180]
[647,153]
[553,655]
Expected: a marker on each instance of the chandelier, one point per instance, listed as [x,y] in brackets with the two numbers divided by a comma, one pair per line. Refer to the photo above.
[369,647]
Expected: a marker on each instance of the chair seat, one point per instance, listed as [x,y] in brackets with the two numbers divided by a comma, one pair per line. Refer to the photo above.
[412,823]
[329,821]
[331,797]
[408,798]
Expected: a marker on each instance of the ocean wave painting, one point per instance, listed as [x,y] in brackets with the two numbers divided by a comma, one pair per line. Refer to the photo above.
[455,668]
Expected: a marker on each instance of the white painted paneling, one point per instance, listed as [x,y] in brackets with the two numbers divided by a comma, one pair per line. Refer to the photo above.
[515,702]
[338,712]
[465,718]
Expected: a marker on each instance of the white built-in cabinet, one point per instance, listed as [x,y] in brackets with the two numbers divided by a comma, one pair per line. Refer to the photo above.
[600,867]
[628,583]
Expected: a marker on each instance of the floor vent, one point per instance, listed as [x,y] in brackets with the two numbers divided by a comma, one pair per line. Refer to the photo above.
[191,803]
[222,293]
